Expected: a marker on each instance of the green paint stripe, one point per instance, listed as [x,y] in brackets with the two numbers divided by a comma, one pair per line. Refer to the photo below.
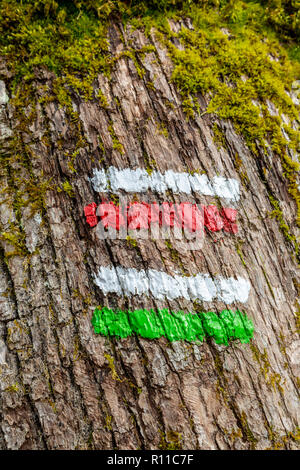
[174,326]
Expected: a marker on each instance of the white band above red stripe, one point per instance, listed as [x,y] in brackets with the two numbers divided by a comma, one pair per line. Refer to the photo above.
[139,180]
[130,281]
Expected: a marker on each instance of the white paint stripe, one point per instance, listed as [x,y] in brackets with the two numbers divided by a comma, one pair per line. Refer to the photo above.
[134,181]
[130,281]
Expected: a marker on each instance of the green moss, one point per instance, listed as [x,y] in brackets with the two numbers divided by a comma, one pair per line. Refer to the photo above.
[102,99]
[238,164]
[108,420]
[233,435]
[272,378]
[247,430]
[13,388]
[111,364]
[239,251]
[16,238]
[161,129]
[268,283]
[240,72]
[131,54]
[175,255]
[150,85]
[22,189]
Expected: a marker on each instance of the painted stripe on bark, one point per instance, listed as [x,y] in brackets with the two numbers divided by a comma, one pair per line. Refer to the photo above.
[136,181]
[141,215]
[174,326]
[130,281]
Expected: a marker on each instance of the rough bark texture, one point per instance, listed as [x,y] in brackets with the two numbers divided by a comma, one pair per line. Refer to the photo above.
[62,386]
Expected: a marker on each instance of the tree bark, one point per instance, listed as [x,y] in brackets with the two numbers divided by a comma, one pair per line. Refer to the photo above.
[63,386]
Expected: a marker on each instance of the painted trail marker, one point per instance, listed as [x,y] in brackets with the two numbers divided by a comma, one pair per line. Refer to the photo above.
[158,284]
[202,287]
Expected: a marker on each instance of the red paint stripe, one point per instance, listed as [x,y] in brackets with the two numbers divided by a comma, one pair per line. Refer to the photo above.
[140,215]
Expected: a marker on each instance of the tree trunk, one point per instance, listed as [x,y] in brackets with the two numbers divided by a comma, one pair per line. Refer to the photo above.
[62,385]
